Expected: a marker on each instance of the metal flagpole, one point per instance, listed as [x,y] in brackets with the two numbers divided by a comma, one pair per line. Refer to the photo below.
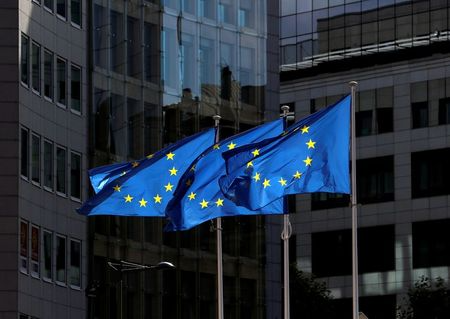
[219,243]
[355,268]
[286,233]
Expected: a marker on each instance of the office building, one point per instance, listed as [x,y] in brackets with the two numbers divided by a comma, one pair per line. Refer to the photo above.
[43,140]
[398,52]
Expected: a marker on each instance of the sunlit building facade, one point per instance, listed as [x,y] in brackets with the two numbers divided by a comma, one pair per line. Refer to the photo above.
[159,72]
[398,52]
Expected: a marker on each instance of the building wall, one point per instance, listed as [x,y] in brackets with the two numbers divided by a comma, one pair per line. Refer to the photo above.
[403,210]
[62,126]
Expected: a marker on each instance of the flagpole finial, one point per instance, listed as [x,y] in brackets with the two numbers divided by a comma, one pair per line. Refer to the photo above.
[285,109]
[353,83]
[216,118]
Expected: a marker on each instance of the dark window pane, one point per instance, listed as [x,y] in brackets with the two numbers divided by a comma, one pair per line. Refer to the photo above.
[288,26]
[36,67]
[75,96]
[75,263]
[61,8]
[61,82]
[61,170]
[323,200]
[134,63]
[24,157]
[48,164]
[380,256]
[378,307]
[49,4]
[420,115]
[48,74]
[47,251]
[24,247]
[61,259]
[364,123]
[24,59]
[75,175]
[443,111]
[75,12]
[430,173]
[384,119]
[430,242]
[375,180]
[35,158]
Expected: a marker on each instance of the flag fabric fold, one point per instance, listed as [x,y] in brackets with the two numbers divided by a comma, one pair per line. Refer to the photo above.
[198,198]
[144,187]
[310,156]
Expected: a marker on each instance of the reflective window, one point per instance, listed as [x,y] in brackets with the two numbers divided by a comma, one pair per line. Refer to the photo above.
[49,4]
[60,260]
[430,243]
[48,164]
[75,12]
[47,254]
[75,263]
[24,246]
[61,88]
[35,158]
[24,59]
[430,173]
[75,86]
[34,251]
[134,62]
[61,8]
[48,74]
[36,67]
[61,170]
[75,175]
[24,154]
[375,180]
[135,128]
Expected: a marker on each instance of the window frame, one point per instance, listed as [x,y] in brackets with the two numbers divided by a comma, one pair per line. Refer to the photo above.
[52,76]
[27,149]
[27,54]
[33,89]
[35,263]
[80,4]
[72,67]
[57,98]
[24,246]
[73,286]
[64,18]
[50,10]
[38,182]
[52,165]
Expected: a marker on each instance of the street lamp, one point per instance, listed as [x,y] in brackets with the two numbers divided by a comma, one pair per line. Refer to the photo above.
[123,266]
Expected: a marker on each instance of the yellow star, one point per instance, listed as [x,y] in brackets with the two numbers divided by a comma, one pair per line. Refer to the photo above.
[249,164]
[311,144]
[173,171]
[169,187]
[192,196]
[308,161]
[297,175]
[157,198]
[117,188]
[219,202]
[256,177]
[216,147]
[135,164]
[204,203]
[266,183]
[170,156]
[256,152]
[128,198]
[282,182]
[231,146]
[143,203]
[193,168]
[150,156]
[305,129]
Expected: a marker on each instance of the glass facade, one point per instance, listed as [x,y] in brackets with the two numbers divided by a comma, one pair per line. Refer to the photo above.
[316,31]
[160,72]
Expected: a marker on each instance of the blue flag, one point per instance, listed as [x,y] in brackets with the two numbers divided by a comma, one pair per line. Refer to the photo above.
[100,176]
[310,156]
[198,197]
[144,188]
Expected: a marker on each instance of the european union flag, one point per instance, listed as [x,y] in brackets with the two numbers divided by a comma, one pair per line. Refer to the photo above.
[310,156]
[100,176]
[144,188]
[198,198]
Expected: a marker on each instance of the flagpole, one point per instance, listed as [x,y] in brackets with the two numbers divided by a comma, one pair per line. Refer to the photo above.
[286,233]
[219,243]
[355,271]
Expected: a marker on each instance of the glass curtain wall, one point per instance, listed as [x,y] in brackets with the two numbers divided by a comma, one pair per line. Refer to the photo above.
[159,74]
[314,31]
